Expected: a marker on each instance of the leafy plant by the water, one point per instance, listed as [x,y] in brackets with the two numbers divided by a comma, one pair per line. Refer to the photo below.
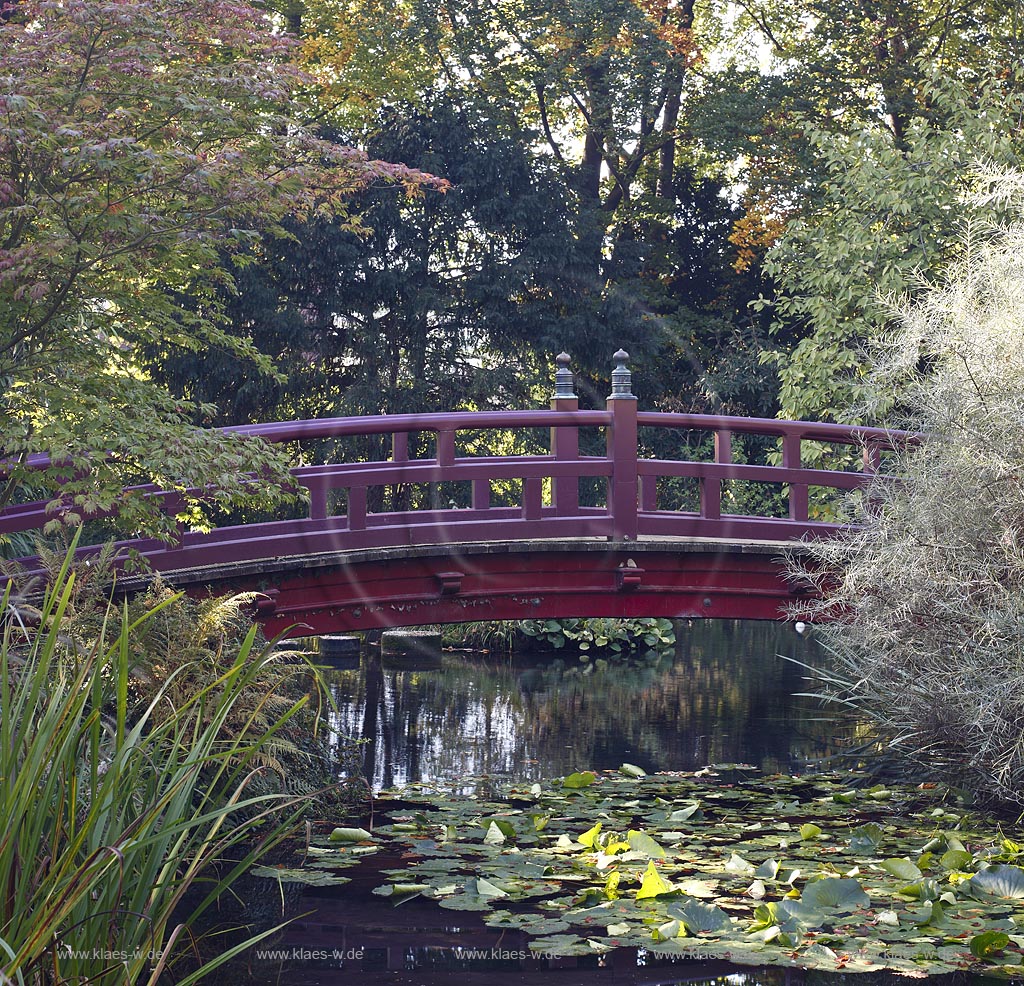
[587,637]
[813,871]
[609,636]
[111,812]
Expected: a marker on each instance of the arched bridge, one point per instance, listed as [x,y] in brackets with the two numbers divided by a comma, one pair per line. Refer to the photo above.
[597,523]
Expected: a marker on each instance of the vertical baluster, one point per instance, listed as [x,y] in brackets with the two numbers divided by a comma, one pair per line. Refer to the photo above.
[798,492]
[565,441]
[648,493]
[357,508]
[711,489]
[533,491]
[445,447]
[317,499]
[622,441]
[481,494]
[400,446]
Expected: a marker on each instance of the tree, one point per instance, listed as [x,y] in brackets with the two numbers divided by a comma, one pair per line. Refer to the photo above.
[440,303]
[886,219]
[140,142]
[924,604]
[857,165]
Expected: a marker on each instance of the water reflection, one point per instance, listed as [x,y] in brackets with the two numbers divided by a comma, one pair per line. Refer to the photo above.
[723,695]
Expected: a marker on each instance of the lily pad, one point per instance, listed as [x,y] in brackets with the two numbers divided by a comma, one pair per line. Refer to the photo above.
[835,894]
[350,835]
[580,779]
[903,868]
[1001,880]
[310,877]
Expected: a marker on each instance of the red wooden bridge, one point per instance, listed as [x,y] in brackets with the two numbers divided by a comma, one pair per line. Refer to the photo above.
[361,560]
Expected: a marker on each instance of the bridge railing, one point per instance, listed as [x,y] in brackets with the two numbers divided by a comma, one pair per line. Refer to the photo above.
[550,504]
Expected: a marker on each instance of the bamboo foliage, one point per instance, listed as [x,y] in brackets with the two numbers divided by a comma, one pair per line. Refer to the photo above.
[924,604]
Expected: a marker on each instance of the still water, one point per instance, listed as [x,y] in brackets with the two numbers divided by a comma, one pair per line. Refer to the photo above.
[725,694]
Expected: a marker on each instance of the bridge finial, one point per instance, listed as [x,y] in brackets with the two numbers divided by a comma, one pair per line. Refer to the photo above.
[563,377]
[622,379]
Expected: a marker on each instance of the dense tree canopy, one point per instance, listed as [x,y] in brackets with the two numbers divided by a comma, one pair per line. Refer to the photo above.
[141,144]
[726,190]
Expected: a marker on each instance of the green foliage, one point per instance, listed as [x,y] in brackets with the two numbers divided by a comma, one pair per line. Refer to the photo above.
[141,142]
[705,863]
[923,603]
[146,800]
[886,217]
[603,636]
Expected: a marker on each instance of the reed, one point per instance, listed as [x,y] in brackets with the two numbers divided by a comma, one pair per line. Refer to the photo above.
[110,812]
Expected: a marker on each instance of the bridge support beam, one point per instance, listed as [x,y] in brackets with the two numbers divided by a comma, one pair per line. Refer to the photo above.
[340,593]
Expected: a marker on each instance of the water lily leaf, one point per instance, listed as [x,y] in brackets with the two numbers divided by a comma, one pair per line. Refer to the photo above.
[641,843]
[691,811]
[631,770]
[988,943]
[668,930]
[888,918]
[533,924]
[465,902]
[350,835]
[756,890]
[698,888]
[765,935]
[487,889]
[589,838]
[819,953]
[580,779]
[902,868]
[652,884]
[1001,880]
[926,889]
[835,894]
[956,859]
[809,831]
[561,945]
[738,865]
[311,877]
[701,918]
[764,916]
[796,916]
[619,929]
[495,834]
[404,890]
[932,913]
[768,870]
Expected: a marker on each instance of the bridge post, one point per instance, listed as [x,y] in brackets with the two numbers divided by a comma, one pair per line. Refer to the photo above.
[622,450]
[798,492]
[565,441]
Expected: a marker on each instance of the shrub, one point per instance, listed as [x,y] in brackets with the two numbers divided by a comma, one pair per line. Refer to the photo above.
[610,636]
[924,604]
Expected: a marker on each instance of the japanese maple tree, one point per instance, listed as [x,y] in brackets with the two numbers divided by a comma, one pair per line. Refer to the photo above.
[141,143]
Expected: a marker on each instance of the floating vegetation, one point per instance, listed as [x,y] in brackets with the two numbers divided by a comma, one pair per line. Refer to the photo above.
[811,871]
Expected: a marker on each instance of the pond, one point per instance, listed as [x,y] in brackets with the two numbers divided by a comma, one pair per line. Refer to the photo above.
[467,721]
[724,694]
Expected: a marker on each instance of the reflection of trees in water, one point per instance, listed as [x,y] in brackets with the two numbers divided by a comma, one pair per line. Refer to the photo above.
[724,695]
